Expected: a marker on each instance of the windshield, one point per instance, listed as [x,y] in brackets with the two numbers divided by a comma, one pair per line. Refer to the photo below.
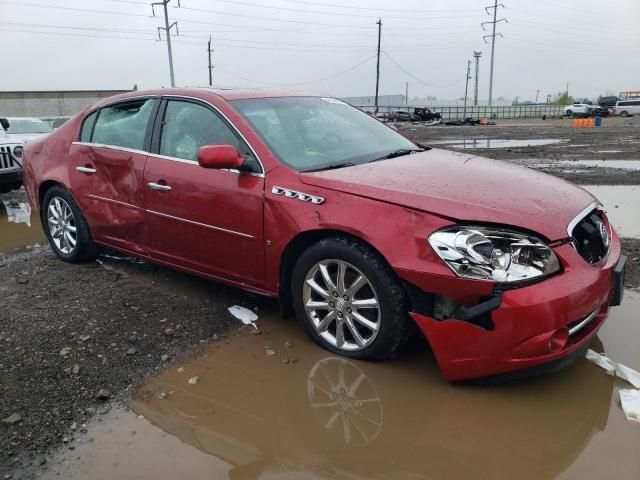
[312,133]
[23,125]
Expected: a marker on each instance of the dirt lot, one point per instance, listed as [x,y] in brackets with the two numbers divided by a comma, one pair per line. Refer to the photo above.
[617,140]
[67,332]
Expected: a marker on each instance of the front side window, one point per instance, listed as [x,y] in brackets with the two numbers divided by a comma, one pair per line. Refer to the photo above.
[124,125]
[188,126]
[309,133]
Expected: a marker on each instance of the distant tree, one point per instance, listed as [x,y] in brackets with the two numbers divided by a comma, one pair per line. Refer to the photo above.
[563,98]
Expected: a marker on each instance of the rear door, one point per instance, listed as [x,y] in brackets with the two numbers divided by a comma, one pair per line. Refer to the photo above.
[207,220]
[106,171]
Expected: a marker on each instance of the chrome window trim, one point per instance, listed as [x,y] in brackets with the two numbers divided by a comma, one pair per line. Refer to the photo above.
[584,323]
[111,147]
[211,227]
[95,108]
[194,163]
[572,224]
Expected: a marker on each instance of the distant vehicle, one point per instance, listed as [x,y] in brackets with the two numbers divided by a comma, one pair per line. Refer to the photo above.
[625,108]
[362,233]
[608,101]
[426,115]
[401,116]
[579,109]
[14,134]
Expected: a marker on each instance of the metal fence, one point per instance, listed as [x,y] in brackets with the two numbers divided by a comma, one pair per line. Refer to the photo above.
[457,112]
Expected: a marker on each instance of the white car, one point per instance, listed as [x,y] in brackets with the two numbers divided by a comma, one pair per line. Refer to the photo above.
[578,108]
[14,133]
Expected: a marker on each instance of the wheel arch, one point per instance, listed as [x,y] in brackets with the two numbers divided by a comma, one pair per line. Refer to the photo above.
[294,249]
[45,187]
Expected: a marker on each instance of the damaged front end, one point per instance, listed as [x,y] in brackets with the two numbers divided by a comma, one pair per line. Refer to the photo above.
[513,303]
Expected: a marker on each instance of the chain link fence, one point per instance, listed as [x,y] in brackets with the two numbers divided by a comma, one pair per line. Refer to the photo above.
[457,112]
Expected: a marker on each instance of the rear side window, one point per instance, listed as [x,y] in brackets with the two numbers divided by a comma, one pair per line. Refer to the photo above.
[87,127]
[124,125]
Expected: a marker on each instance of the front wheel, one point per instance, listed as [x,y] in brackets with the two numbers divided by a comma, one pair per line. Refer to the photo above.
[350,301]
[66,227]
[624,113]
[569,114]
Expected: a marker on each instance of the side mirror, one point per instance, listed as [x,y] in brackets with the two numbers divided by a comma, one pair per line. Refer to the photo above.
[219,156]
[5,123]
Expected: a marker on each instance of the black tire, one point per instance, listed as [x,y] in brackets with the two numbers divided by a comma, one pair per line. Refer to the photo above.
[624,113]
[569,113]
[84,249]
[395,326]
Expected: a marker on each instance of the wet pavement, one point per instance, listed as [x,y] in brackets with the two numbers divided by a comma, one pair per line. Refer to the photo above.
[621,202]
[473,143]
[275,406]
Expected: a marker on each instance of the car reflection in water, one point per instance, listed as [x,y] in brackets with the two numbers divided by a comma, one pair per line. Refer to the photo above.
[329,417]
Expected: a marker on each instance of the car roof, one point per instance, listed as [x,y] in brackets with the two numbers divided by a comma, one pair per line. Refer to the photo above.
[204,92]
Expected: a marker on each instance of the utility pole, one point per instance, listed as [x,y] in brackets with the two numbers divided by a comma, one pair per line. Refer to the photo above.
[477,56]
[406,93]
[493,41]
[210,51]
[167,29]
[537,93]
[379,22]
[466,89]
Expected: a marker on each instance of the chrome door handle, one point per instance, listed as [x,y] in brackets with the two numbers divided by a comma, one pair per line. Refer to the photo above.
[86,169]
[157,186]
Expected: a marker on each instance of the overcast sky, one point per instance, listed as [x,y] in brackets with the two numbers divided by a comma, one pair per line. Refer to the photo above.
[324,46]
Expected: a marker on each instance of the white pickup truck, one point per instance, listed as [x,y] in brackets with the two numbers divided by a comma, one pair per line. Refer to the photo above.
[14,133]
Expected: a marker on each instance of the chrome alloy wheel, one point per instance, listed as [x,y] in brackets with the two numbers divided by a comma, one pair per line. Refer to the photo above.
[341,304]
[62,225]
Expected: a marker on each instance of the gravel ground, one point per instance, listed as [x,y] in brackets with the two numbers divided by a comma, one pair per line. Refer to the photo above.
[73,338]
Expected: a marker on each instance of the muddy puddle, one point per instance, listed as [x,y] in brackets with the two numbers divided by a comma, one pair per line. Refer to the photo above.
[622,203]
[471,143]
[275,406]
[20,229]
[623,164]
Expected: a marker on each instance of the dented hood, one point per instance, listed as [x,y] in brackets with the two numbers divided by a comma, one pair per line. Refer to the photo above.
[464,187]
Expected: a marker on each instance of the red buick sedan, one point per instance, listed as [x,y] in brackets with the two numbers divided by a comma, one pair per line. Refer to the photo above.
[362,233]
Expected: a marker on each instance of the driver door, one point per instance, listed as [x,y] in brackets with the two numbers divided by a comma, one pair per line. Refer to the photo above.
[207,220]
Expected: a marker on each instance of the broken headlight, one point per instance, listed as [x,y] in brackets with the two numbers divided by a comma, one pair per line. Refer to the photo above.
[484,253]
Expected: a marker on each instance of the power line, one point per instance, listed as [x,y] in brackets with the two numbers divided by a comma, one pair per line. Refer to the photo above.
[352,7]
[318,12]
[299,83]
[416,78]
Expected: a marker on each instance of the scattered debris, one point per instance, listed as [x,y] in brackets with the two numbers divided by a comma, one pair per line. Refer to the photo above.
[163,396]
[243,314]
[269,352]
[164,357]
[194,380]
[288,344]
[602,361]
[284,360]
[132,351]
[84,338]
[628,374]
[75,369]
[103,394]
[65,352]
[180,369]
[169,332]
[630,401]
[12,419]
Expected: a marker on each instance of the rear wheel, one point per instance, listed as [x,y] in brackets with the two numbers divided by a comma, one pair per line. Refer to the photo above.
[66,227]
[350,301]
[624,113]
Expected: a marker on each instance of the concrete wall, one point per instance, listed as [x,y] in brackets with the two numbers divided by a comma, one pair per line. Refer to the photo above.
[49,104]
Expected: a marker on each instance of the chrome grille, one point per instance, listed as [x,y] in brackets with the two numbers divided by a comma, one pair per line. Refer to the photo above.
[7,161]
[591,236]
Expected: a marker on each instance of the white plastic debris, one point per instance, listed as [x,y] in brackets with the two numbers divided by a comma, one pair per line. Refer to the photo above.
[630,401]
[18,212]
[628,374]
[194,380]
[602,361]
[245,315]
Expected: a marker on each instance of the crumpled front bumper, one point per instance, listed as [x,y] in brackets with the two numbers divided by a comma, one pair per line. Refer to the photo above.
[531,326]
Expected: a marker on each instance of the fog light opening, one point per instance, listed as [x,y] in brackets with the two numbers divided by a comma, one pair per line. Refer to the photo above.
[558,340]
